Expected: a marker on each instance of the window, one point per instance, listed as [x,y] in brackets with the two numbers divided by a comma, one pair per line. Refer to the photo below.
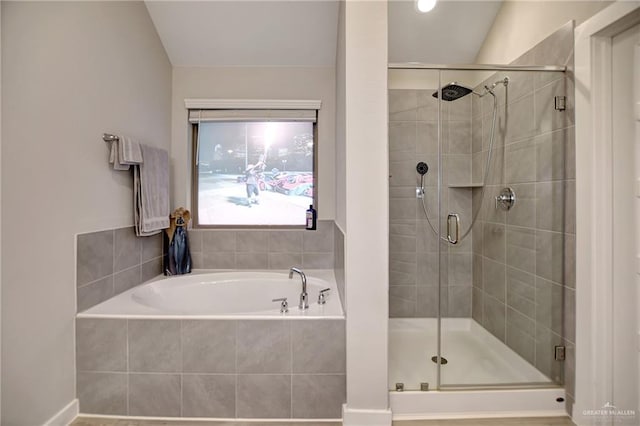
[253,167]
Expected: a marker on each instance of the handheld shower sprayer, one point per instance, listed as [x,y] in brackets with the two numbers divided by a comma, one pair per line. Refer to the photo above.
[422,168]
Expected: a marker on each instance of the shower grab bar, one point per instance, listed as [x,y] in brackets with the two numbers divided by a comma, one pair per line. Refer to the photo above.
[457,220]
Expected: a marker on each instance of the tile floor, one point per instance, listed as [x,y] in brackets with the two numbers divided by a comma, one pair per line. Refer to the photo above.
[529,421]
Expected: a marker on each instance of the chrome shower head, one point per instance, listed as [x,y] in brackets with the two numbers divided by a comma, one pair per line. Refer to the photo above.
[453,91]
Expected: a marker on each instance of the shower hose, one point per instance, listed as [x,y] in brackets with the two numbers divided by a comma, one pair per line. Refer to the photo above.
[486,170]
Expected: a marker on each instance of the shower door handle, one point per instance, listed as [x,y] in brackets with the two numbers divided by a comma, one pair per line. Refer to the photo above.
[456,218]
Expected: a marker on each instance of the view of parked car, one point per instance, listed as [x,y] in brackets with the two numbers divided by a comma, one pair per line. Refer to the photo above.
[295,184]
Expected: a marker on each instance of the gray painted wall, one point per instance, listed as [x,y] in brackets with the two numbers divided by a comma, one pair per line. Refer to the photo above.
[71,71]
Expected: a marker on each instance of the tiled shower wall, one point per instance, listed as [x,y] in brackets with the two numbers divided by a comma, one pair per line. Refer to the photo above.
[113,261]
[413,246]
[524,258]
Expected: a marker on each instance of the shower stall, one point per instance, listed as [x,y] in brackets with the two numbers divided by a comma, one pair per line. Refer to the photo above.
[481,232]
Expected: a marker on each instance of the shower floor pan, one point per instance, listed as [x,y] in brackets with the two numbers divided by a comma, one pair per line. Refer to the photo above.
[475,359]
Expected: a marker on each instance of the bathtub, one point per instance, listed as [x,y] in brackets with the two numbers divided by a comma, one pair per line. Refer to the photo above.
[213,346]
[224,295]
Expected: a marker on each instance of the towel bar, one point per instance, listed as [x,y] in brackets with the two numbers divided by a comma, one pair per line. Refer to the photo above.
[108,137]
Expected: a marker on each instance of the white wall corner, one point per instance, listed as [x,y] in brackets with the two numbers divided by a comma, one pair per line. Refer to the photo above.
[65,416]
[355,417]
[594,168]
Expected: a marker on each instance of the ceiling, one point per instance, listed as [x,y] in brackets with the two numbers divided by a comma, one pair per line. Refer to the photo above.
[303,33]
[247,33]
[452,33]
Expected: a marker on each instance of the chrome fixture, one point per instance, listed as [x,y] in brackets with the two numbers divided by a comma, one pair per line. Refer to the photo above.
[456,219]
[284,305]
[399,387]
[475,67]
[455,90]
[451,92]
[560,353]
[560,103]
[424,386]
[506,199]
[322,297]
[107,137]
[304,297]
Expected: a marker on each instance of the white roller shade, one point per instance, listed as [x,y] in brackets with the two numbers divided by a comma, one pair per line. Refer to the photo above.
[227,115]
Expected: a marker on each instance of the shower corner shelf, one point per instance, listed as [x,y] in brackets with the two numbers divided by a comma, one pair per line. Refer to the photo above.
[465,185]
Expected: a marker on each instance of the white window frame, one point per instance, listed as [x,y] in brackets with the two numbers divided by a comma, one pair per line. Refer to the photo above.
[250,104]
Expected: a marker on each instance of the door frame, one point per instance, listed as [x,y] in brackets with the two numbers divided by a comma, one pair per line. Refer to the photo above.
[594,231]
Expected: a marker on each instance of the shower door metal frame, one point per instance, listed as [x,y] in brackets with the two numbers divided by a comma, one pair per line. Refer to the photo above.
[477,67]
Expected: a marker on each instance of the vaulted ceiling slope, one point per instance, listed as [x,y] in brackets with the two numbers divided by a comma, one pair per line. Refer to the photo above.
[303,33]
[247,33]
[452,33]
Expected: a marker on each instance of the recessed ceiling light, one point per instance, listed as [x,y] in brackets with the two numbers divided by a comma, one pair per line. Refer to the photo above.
[425,6]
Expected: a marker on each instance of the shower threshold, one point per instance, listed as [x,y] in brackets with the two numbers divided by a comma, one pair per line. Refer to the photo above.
[483,377]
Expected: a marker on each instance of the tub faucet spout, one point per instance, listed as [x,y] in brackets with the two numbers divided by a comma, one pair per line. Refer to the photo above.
[304,297]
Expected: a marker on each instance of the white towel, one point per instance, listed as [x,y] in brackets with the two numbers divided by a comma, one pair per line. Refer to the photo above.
[125,152]
[151,191]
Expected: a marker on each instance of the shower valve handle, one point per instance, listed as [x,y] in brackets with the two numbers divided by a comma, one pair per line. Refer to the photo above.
[284,305]
[322,297]
[506,199]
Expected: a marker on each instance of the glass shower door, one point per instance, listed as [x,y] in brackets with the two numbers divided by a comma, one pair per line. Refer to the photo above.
[413,244]
[501,282]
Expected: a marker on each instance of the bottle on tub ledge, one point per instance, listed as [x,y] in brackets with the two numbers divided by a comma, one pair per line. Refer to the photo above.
[312,217]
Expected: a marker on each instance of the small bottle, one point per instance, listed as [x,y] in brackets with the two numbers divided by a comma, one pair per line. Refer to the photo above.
[311,218]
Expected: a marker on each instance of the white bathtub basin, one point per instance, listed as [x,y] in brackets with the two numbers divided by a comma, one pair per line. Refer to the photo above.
[218,295]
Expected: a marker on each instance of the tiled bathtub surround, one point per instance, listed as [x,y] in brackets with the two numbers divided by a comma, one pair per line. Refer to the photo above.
[211,368]
[263,249]
[110,262]
[524,259]
[113,261]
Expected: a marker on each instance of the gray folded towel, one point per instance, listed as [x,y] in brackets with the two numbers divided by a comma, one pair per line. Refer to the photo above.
[125,152]
[151,191]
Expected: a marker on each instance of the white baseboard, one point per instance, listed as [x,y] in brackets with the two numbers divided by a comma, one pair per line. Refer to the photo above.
[65,416]
[354,417]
